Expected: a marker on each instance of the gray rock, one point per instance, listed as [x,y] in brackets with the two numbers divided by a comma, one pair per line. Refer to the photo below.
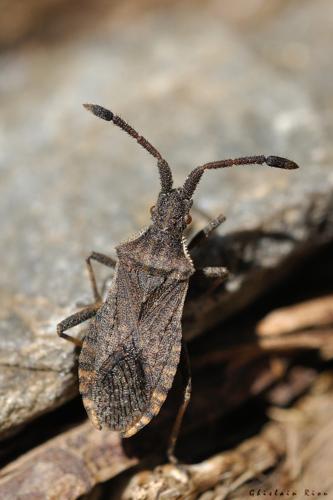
[65,467]
[71,184]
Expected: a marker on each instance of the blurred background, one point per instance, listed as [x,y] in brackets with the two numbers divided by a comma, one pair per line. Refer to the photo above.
[201,81]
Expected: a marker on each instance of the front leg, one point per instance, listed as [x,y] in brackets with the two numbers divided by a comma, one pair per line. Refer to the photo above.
[202,235]
[220,273]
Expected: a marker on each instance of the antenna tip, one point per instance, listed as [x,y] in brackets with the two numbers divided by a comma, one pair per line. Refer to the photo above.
[99,111]
[278,162]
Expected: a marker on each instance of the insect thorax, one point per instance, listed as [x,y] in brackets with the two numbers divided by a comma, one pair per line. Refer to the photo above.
[159,252]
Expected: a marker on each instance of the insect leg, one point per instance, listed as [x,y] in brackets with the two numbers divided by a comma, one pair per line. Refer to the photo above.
[220,272]
[219,275]
[187,381]
[102,259]
[202,235]
[74,320]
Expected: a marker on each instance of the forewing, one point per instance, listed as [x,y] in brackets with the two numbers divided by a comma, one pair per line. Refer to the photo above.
[131,353]
[160,342]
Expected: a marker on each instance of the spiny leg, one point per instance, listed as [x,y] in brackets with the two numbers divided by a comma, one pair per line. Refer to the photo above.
[202,235]
[74,320]
[187,380]
[102,259]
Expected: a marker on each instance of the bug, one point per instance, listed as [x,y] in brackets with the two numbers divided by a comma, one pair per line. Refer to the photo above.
[130,354]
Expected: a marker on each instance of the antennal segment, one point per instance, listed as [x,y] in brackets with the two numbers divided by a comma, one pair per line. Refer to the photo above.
[196,174]
[163,166]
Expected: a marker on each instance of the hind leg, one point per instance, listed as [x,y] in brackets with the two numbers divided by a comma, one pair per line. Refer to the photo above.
[74,320]
[187,381]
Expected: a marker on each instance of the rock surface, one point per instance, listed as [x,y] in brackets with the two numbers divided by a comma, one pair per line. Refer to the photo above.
[67,467]
[201,85]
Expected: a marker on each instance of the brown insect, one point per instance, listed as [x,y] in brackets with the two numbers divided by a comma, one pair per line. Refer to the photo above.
[131,352]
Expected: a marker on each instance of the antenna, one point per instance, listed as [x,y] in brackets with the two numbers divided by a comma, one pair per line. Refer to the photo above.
[196,174]
[163,166]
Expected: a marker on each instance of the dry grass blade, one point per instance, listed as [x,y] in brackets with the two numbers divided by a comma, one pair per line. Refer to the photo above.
[290,444]
[234,468]
[305,315]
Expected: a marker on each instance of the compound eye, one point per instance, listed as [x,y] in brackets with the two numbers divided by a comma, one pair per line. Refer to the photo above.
[152,210]
[188,219]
